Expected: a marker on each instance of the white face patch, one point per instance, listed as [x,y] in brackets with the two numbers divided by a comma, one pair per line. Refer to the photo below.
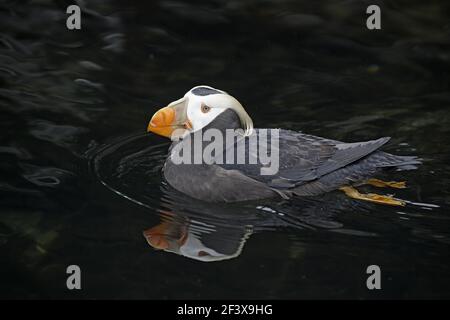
[202,110]
[203,104]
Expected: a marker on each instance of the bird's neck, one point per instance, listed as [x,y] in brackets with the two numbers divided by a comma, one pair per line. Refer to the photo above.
[226,120]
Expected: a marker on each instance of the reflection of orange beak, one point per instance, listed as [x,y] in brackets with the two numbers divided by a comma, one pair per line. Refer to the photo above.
[163,122]
[159,236]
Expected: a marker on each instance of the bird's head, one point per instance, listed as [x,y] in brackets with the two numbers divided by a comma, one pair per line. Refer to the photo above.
[199,107]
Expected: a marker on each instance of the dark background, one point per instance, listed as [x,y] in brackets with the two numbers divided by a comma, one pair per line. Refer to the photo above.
[74,106]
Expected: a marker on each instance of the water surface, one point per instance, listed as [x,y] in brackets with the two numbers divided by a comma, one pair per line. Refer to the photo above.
[81,183]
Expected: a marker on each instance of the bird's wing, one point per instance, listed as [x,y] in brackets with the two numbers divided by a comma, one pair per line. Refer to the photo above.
[304,158]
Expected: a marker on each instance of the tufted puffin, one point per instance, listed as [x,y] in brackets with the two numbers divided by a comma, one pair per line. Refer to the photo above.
[300,164]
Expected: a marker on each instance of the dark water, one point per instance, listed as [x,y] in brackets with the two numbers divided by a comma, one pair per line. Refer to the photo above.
[80,180]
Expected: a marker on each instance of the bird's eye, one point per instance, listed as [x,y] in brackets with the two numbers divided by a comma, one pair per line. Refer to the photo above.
[205,108]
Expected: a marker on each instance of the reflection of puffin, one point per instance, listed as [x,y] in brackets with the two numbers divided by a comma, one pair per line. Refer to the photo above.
[205,231]
[308,165]
[211,232]
[197,240]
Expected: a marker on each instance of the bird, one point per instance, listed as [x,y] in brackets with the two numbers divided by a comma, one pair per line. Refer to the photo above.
[307,165]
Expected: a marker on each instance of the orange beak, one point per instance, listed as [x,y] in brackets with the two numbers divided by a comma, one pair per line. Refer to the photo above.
[163,122]
[166,120]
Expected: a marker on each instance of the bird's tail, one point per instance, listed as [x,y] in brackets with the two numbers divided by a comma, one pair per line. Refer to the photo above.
[400,162]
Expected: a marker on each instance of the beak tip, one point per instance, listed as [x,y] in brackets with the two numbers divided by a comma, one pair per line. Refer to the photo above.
[150,126]
[162,122]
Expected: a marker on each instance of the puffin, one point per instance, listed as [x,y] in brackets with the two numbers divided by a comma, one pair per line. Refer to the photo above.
[306,165]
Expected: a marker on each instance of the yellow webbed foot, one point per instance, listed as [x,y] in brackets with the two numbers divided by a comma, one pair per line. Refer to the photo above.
[372,197]
[382,184]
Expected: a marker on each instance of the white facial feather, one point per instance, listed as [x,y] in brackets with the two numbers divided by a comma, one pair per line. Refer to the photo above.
[217,103]
[198,118]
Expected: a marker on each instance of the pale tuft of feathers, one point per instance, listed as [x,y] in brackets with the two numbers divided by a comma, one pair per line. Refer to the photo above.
[246,121]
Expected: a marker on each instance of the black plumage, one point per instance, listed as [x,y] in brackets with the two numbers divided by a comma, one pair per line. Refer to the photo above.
[204,91]
[308,165]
